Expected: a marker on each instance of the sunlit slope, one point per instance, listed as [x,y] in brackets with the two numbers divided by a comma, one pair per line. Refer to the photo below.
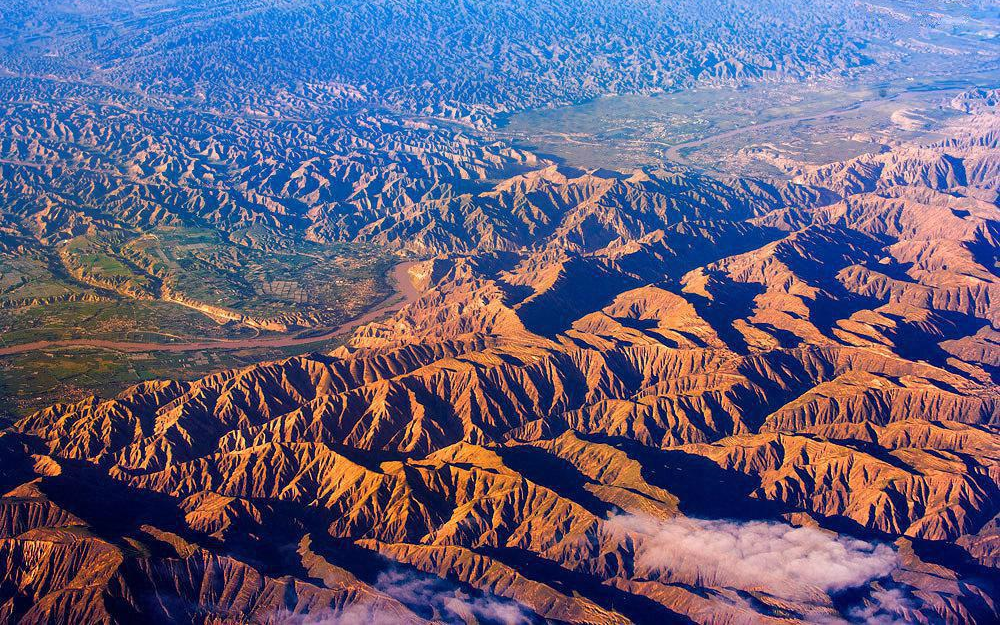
[533,437]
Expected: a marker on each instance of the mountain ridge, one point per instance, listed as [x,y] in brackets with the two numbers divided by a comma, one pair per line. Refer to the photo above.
[814,357]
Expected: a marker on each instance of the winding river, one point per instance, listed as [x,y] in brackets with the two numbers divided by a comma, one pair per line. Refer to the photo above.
[405,293]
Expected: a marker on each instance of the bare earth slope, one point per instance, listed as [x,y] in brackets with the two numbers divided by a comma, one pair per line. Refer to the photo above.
[646,397]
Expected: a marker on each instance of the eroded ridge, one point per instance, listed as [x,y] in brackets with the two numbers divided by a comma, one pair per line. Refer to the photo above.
[651,396]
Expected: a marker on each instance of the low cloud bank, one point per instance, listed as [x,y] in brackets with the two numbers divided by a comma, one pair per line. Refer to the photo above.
[792,563]
[447,600]
[885,608]
[449,604]
[785,561]
[774,557]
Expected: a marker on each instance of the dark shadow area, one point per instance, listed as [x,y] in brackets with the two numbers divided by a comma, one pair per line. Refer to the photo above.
[835,303]
[556,474]
[425,594]
[786,339]
[954,557]
[111,508]
[638,609]
[647,327]
[734,300]
[914,342]
[582,288]
[15,461]
[703,489]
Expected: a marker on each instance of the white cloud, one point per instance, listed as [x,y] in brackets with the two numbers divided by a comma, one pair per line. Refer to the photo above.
[358,614]
[450,604]
[885,607]
[776,558]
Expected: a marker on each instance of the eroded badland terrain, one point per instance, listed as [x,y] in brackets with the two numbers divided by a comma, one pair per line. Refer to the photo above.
[499,312]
